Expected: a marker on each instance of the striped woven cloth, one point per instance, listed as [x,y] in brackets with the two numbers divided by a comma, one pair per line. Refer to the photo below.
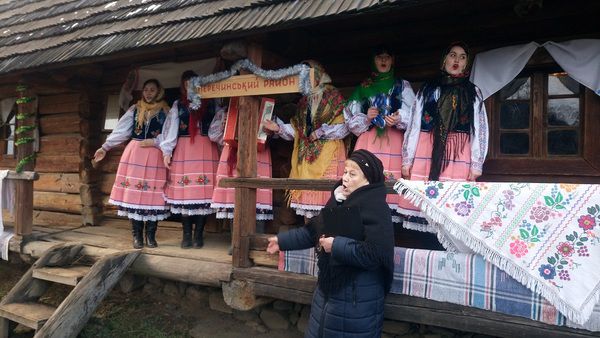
[543,235]
[458,278]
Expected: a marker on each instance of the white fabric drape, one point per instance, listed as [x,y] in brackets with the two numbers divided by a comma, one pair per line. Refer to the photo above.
[494,69]
[6,202]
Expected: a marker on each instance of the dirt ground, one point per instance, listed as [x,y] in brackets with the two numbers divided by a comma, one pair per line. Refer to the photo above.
[138,315]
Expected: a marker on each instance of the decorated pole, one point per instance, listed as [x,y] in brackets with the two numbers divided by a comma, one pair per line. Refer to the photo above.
[24,140]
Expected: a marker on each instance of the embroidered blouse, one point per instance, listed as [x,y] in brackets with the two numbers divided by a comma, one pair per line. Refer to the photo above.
[126,129]
[420,122]
[402,97]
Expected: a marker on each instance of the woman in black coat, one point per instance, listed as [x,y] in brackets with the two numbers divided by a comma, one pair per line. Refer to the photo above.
[354,239]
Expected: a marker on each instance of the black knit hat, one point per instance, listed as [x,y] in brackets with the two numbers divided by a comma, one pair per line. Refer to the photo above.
[370,165]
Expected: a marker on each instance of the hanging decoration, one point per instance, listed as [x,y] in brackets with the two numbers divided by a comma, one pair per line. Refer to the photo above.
[301,70]
[22,99]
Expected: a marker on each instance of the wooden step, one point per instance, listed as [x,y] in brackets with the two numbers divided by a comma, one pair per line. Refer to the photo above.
[32,315]
[70,275]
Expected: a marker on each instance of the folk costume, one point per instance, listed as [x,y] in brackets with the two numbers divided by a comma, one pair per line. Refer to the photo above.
[448,136]
[141,176]
[193,170]
[357,274]
[223,199]
[321,113]
[390,96]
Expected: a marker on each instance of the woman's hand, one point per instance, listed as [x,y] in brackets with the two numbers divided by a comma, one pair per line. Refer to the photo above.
[99,155]
[273,246]
[149,142]
[326,243]
[372,113]
[406,171]
[167,161]
[270,126]
[473,175]
[392,120]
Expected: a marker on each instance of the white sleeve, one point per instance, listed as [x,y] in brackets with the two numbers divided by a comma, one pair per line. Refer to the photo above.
[480,135]
[170,131]
[217,127]
[411,135]
[122,131]
[408,100]
[332,131]
[356,120]
[286,130]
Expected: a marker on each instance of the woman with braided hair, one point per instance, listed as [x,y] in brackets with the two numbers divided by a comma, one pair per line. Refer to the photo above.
[141,175]
[193,166]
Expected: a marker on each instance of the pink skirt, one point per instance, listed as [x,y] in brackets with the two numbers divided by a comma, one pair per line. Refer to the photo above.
[223,199]
[192,176]
[139,185]
[388,148]
[457,170]
[308,203]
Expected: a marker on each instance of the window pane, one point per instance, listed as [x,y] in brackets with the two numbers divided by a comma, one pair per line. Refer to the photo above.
[563,142]
[514,143]
[562,84]
[517,89]
[112,112]
[563,112]
[514,115]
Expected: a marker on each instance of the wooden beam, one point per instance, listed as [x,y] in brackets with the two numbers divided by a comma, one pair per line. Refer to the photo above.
[287,183]
[24,175]
[24,188]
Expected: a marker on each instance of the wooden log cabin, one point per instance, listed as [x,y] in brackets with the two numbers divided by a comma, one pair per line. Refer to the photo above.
[74,56]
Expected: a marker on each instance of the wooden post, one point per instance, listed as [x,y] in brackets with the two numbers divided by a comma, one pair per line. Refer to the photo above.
[244,216]
[90,129]
[24,188]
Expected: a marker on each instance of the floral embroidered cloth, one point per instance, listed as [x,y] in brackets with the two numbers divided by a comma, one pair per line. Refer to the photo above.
[458,278]
[543,235]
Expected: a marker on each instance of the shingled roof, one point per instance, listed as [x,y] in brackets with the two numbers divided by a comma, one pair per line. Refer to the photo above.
[41,32]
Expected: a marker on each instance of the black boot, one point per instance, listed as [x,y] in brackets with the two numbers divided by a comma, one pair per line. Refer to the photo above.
[137,229]
[186,224]
[151,227]
[199,231]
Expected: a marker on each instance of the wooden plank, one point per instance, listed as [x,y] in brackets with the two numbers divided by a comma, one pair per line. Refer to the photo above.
[425,311]
[60,144]
[51,218]
[32,315]
[24,207]
[57,163]
[57,182]
[4,327]
[183,270]
[24,175]
[268,276]
[74,312]
[59,124]
[57,104]
[57,201]
[64,275]
[277,292]
[261,257]
[286,183]
[29,289]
